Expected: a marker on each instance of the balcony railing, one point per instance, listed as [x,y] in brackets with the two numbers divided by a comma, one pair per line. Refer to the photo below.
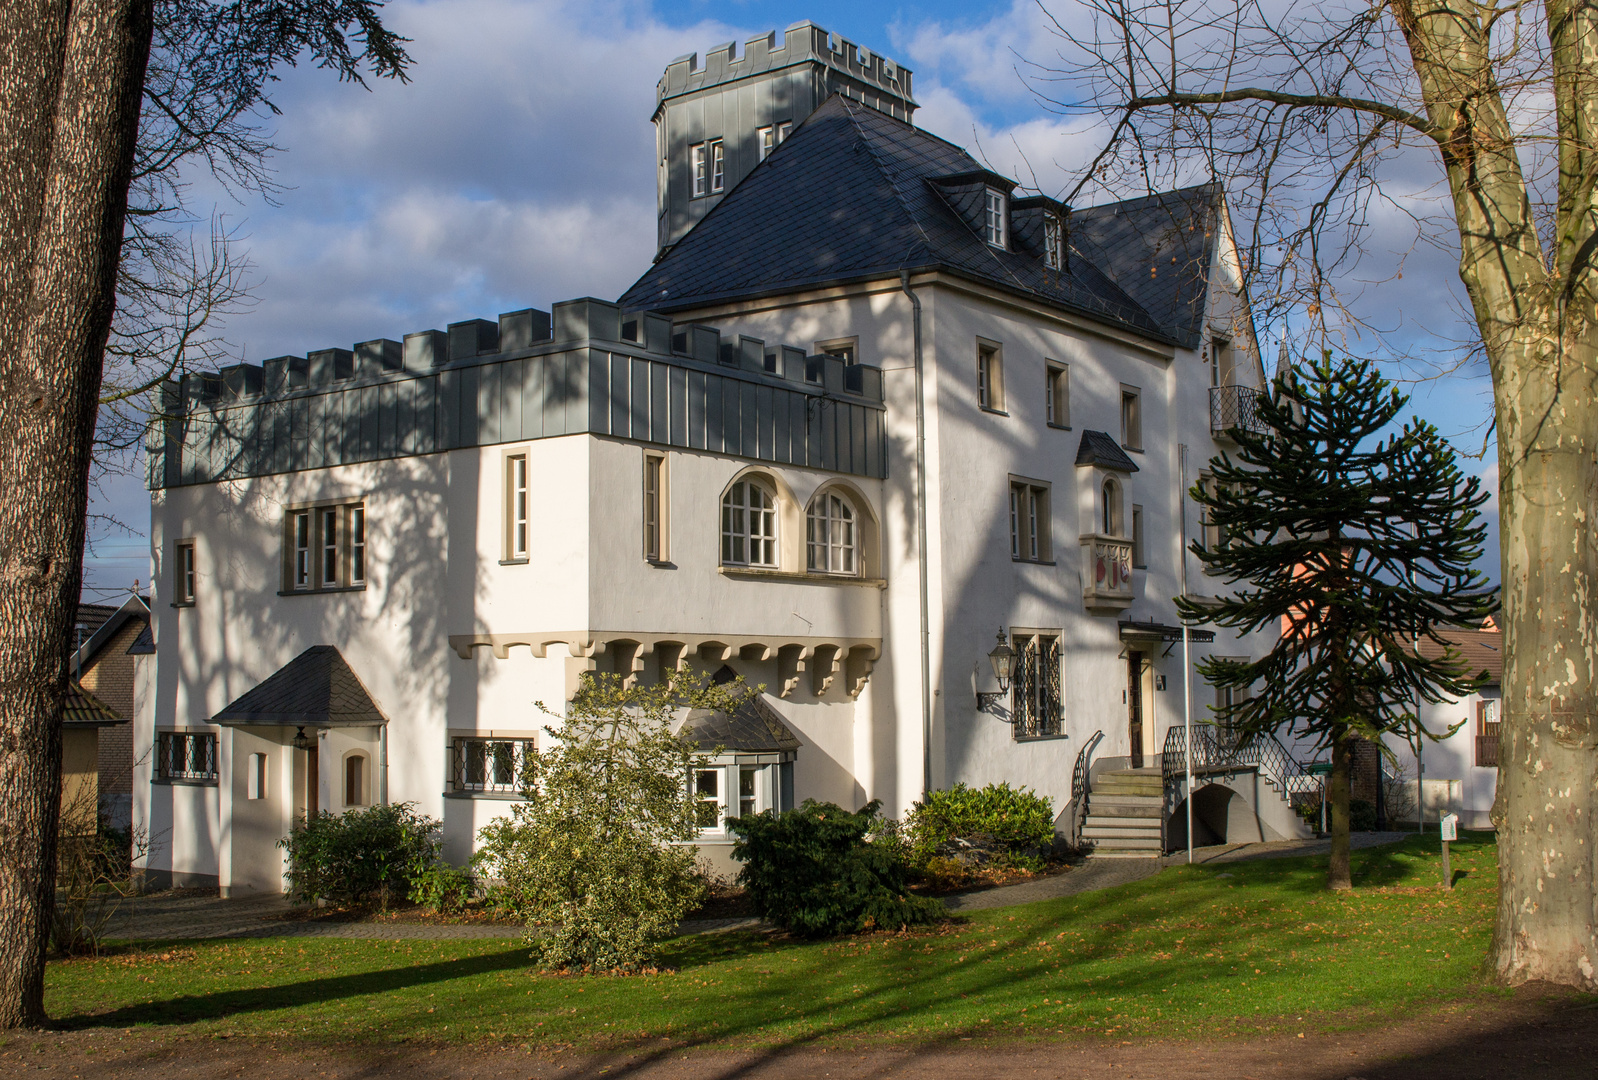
[1107,571]
[1233,407]
[1487,751]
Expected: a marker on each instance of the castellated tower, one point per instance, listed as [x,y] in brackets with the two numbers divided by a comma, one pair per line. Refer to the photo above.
[715,123]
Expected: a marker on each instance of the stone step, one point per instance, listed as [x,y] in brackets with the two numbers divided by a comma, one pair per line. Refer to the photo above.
[1099,798]
[1128,843]
[1111,832]
[1110,783]
[1102,821]
[1118,854]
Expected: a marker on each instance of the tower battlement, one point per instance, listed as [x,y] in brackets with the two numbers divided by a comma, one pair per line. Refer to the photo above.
[801,43]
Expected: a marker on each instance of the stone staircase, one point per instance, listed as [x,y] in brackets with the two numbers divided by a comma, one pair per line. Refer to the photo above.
[1124,814]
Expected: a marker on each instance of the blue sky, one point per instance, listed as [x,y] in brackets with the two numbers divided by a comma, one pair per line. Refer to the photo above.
[515,170]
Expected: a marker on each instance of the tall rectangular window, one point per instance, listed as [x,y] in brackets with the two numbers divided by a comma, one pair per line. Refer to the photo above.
[329,546]
[655,507]
[994,218]
[784,129]
[1029,521]
[700,163]
[1139,558]
[516,506]
[301,526]
[1131,418]
[1036,696]
[1053,242]
[255,777]
[184,583]
[718,171]
[1057,394]
[767,139]
[1220,362]
[357,545]
[990,376]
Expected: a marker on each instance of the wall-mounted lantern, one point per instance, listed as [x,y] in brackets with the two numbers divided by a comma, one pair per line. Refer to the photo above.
[302,741]
[1003,660]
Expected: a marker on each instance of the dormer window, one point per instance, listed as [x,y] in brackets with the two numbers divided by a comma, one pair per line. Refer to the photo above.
[1053,245]
[995,225]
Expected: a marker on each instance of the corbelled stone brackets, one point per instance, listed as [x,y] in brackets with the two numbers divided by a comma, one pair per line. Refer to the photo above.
[629,653]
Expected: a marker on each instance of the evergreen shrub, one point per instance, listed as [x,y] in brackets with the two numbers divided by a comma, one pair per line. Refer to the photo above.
[1016,821]
[815,872]
[1361,816]
[359,855]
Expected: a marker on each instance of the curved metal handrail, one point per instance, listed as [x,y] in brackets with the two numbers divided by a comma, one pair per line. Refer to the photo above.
[1079,786]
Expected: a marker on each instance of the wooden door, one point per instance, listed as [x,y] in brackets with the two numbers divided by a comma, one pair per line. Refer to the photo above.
[1134,706]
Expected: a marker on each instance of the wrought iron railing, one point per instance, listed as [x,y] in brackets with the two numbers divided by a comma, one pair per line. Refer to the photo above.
[1215,749]
[1079,785]
[1234,407]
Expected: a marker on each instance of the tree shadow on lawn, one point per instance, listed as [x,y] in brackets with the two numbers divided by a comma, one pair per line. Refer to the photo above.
[1096,964]
[218,1004]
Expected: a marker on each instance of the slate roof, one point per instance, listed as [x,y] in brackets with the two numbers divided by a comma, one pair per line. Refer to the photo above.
[136,607]
[754,728]
[1158,248]
[1097,448]
[315,689]
[848,197]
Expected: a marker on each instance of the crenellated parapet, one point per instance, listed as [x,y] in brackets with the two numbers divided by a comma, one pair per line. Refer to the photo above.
[585,367]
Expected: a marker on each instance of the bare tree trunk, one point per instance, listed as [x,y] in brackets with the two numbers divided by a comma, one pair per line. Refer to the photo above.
[71,79]
[1548,769]
[1337,871]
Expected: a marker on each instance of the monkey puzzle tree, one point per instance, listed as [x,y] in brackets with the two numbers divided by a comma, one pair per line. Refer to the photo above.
[1359,546]
[72,81]
[1348,132]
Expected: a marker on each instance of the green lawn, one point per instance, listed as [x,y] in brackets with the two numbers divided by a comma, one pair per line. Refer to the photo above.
[1238,949]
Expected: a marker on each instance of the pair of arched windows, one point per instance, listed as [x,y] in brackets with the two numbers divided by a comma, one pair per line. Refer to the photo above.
[749,530]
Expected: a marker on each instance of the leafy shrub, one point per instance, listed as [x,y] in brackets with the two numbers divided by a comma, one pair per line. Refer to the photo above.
[593,860]
[1018,821]
[352,857]
[1361,816]
[814,872]
[441,887]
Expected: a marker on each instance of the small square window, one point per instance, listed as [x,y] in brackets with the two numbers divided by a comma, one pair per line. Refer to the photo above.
[1029,521]
[655,507]
[994,219]
[184,578]
[1053,242]
[718,163]
[1057,394]
[990,376]
[1131,418]
[699,161]
[516,507]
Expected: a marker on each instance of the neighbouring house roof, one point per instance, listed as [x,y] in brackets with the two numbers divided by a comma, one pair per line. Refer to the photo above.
[108,627]
[144,644]
[855,194]
[1158,248]
[83,709]
[1483,651]
[315,689]
[1097,448]
[753,728]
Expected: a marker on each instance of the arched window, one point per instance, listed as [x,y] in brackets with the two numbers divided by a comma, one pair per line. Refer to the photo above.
[1112,508]
[355,780]
[748,526]
[830,535]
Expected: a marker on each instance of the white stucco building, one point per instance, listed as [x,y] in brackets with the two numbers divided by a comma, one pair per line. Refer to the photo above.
[870,406]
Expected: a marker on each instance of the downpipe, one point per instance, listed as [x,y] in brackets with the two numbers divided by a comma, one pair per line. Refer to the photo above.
[921,542]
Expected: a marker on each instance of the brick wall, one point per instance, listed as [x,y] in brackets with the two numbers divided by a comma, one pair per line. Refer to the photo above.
[109,676]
